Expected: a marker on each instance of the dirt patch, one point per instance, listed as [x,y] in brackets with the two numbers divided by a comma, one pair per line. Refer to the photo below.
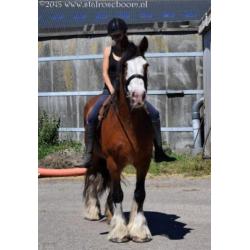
[67,158]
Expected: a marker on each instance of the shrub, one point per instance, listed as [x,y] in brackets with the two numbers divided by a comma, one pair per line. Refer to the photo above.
[48,129]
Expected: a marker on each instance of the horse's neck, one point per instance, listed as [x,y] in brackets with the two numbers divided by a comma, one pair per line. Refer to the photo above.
[125,113]
[123,107]
[137,123]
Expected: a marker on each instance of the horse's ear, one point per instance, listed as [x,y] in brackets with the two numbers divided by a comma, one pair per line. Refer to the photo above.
[143,46]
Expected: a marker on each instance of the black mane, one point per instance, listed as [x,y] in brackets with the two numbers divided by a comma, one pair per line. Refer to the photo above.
[130,53]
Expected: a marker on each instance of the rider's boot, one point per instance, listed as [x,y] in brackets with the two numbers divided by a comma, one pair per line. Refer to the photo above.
[89,139]
[159,153]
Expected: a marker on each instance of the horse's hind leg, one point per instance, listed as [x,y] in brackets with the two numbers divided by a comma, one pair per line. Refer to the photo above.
[138,228]
[92,204]
[96,181]
[119,231]
[109,207]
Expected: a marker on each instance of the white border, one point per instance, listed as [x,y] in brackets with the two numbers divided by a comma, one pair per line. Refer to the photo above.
[18,126]
[230,125]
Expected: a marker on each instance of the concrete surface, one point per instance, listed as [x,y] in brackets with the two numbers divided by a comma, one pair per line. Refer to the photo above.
[177,210]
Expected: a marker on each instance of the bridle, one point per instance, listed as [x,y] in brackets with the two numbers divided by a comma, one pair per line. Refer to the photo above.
[135,76]
[144,78]
[139,76]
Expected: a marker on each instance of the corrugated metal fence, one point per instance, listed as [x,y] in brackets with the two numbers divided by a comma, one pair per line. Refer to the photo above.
[167,92]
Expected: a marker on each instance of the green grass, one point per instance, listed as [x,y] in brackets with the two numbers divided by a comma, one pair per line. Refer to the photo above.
[185,165]
[44,150]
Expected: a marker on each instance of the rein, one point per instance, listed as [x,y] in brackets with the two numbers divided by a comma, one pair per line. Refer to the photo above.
[123,127]
[116,111]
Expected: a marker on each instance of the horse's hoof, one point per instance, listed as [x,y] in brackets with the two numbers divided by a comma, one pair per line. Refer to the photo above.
[89,219]
[118,240]
[93,217]
[139,240]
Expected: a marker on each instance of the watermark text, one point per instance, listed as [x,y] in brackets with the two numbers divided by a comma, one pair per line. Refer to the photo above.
[94,4]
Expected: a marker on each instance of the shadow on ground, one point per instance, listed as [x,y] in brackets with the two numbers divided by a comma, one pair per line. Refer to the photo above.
[165,225]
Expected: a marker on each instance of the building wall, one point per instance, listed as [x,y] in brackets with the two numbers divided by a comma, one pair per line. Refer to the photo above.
[164,73]
[207,91]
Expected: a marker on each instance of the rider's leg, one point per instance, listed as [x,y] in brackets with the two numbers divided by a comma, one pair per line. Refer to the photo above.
[155,118]
[90,129]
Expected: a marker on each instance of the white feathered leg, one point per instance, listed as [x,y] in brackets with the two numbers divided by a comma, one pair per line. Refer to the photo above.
[92,204]
[138,228]
[119,231]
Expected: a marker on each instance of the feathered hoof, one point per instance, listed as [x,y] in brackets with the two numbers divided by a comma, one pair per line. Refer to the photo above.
[138,229]
[140,240]
[92,213]
[119,234]
[92,219]
[120,240]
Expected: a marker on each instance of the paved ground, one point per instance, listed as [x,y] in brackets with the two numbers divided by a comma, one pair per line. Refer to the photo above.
[177,210]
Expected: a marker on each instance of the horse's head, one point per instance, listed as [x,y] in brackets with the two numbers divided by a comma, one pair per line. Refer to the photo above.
[135,76]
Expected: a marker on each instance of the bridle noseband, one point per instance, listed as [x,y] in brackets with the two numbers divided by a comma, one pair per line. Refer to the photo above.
[136,76]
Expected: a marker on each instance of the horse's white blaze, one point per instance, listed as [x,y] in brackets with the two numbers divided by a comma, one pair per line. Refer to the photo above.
[136,85]
[118,224]
[135,66]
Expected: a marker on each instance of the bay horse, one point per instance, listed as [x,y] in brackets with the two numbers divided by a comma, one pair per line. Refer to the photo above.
[126,137]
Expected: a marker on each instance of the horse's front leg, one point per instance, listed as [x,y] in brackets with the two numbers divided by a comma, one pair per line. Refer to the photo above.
[138,228]
[119,231]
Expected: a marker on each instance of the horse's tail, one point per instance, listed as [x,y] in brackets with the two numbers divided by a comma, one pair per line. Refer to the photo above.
[97,178]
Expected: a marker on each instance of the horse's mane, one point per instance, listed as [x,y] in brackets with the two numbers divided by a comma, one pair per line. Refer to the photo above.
[130,53]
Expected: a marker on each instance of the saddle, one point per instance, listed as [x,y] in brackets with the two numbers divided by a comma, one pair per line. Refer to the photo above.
[104,109]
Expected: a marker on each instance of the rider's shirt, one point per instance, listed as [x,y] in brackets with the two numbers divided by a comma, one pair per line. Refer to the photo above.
[113,69]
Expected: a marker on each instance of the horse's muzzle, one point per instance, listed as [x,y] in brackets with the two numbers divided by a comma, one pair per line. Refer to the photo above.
[137,100]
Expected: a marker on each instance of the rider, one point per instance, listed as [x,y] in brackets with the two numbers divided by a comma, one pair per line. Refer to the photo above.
[117,29]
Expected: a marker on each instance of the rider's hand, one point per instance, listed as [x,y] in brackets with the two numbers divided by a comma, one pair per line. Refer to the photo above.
[112,91]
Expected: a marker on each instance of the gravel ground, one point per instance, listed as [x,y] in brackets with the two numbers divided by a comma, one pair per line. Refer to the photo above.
[177,210]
